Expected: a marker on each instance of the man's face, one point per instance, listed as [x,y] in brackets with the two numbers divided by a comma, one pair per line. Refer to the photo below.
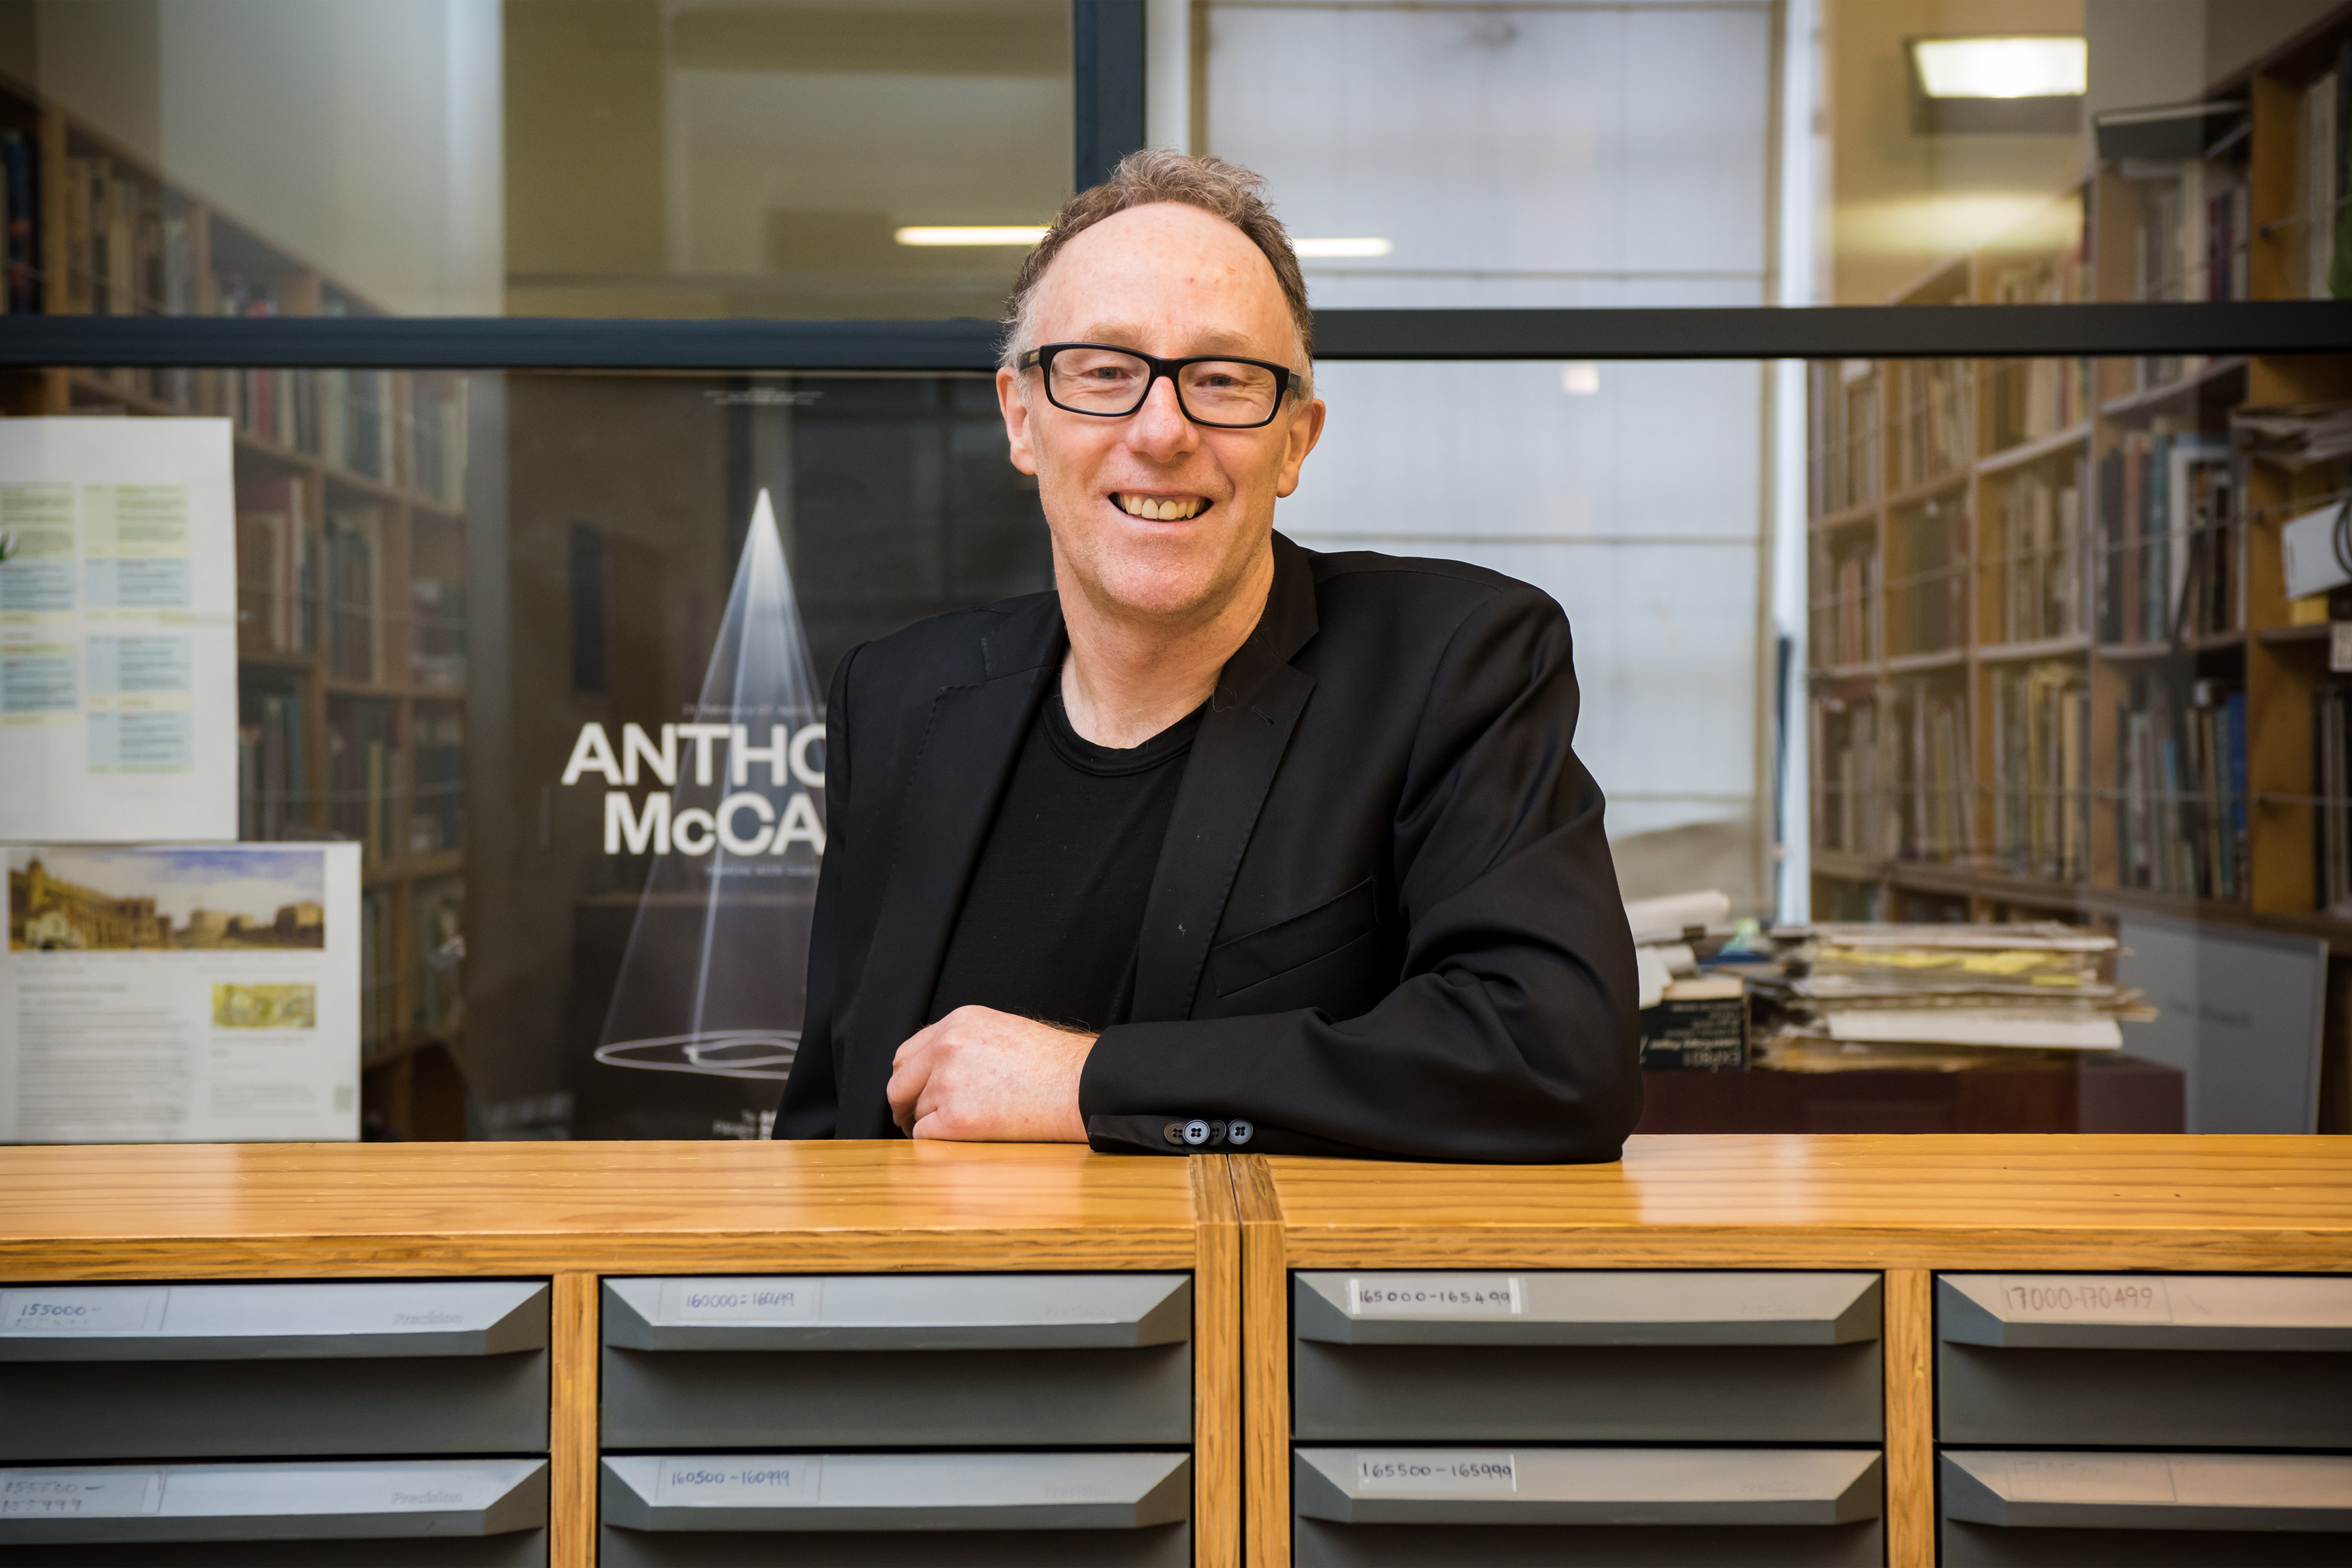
[1153,516]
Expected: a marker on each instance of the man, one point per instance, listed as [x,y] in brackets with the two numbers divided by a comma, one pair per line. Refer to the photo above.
[1224,844]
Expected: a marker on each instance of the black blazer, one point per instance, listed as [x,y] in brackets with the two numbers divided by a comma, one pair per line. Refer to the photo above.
[1384,921]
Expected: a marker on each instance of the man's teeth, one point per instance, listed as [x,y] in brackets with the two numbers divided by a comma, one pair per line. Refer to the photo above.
[1167,509]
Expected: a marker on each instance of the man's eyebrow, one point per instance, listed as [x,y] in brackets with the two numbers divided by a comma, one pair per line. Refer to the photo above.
[1211,340]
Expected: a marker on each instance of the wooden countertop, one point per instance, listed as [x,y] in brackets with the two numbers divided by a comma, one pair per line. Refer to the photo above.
[93,1211]
[1863,1202]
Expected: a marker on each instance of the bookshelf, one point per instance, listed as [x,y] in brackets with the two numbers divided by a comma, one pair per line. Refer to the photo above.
[2054,670]
[351,549]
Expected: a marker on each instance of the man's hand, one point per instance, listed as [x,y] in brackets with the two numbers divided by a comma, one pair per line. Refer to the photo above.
[981,1075]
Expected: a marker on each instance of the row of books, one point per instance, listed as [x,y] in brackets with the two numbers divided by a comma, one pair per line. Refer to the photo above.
[365,784]
[355,595]
[1928,418]
[1845,745]
[2040,562]
[124,254]
[436,819]
[2180,811]
[2032,399]
[2324,182]
[1928,578]
[1847,630]
[1932,771]
[20,207]
[397,428]
[2169,538]
[2041,761]
[1847,455]
[277,596]
[440,956]
[271,787]
[437,634]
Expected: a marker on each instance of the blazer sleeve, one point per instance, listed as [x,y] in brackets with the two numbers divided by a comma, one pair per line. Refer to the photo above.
[1512,1034]
[812,1099]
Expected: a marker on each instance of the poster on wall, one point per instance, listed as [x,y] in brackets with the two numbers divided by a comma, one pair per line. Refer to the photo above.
[117,630]
[709,971]
[192,993]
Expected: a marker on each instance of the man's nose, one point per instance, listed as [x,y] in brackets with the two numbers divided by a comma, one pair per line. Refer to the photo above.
[1160,428]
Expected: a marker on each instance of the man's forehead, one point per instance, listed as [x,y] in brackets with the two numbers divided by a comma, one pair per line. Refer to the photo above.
[1206,338]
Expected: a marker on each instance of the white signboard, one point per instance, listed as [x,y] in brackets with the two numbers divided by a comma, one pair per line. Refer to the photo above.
[206,993]
[117,630]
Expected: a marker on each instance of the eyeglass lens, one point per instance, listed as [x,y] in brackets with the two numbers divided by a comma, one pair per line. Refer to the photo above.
[1213,392]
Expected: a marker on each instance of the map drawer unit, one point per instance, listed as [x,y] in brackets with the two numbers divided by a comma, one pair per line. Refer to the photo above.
[748,1419]
[376,1513]
[189,1372]
[898,1360]
[2179,1361]
[897,1509]
[1434,1415]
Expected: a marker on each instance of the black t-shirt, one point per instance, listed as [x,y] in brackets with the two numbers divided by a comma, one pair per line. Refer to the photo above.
[1048,928]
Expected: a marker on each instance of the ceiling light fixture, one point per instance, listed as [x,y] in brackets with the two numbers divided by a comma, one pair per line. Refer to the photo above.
[2003,68]
[971,234]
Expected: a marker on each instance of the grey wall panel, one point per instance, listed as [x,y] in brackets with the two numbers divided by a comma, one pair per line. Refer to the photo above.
[273,1500]
[913,1311]
[1317,1544]
[524,1549]
[223,1409]
[1792,1393]
[2139,1398]
[1597,1307]
[735,1399]
[261,1322]
[1162,1546]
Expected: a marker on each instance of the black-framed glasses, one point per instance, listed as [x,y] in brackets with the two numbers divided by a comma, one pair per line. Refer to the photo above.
[1111,383]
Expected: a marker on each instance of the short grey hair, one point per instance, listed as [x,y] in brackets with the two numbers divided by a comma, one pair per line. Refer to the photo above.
[1163,174]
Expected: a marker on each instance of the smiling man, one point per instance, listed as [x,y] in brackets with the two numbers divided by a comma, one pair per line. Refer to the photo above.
[1224,844]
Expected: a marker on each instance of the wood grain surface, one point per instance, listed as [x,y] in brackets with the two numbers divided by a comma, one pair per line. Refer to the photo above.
[351,1209]
[1909,1339]
[1265,1364]
[573,1355]
[2210,1203]
[1216,1368]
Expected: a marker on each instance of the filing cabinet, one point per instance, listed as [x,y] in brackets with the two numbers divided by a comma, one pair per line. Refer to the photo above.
[733,1409]
[375,1375]
[1432,1413]
[2037,1373]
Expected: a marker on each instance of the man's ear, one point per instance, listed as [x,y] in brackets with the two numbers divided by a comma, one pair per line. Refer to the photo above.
[1016,410]
[1300,439]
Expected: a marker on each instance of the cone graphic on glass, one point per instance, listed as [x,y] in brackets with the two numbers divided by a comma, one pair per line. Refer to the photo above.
[705,1010]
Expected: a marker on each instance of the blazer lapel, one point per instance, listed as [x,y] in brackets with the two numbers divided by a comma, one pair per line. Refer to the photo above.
[1257,705]
[959,775]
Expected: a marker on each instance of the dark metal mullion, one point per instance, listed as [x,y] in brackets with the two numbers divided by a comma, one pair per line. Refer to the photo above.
[1857,332]
[1107,84]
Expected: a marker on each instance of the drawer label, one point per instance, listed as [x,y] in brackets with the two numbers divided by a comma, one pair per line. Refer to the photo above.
[2083,1298]
[753,1300]
[69,1311]
[2091,1481]
[737,1481]
[1475,1472]
[79,1494]
[1435,1296]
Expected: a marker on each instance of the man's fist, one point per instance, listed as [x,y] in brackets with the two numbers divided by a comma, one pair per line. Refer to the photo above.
[981,1075]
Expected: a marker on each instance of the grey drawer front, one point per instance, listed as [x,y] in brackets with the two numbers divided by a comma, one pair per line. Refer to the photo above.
[521,1549]
[1160,1546]
[1599,1306]
[224,1409]
[778,1493]
[899,1312]
[2034,1507]
[1643,1487]
[2145,1311]
[2132,1398]
[272,1501]
[1318,1544]
[1706,1393]
[897,1399]
[261,1322]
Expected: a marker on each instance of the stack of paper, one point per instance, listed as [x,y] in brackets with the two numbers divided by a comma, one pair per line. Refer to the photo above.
[1664,931]
[1938,996]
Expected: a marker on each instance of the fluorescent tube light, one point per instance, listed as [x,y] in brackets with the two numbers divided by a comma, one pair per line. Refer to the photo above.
[971,234]
[1339,250]
[2003,68]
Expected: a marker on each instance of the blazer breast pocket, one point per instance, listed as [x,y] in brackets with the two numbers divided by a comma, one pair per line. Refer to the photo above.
[1247,961]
